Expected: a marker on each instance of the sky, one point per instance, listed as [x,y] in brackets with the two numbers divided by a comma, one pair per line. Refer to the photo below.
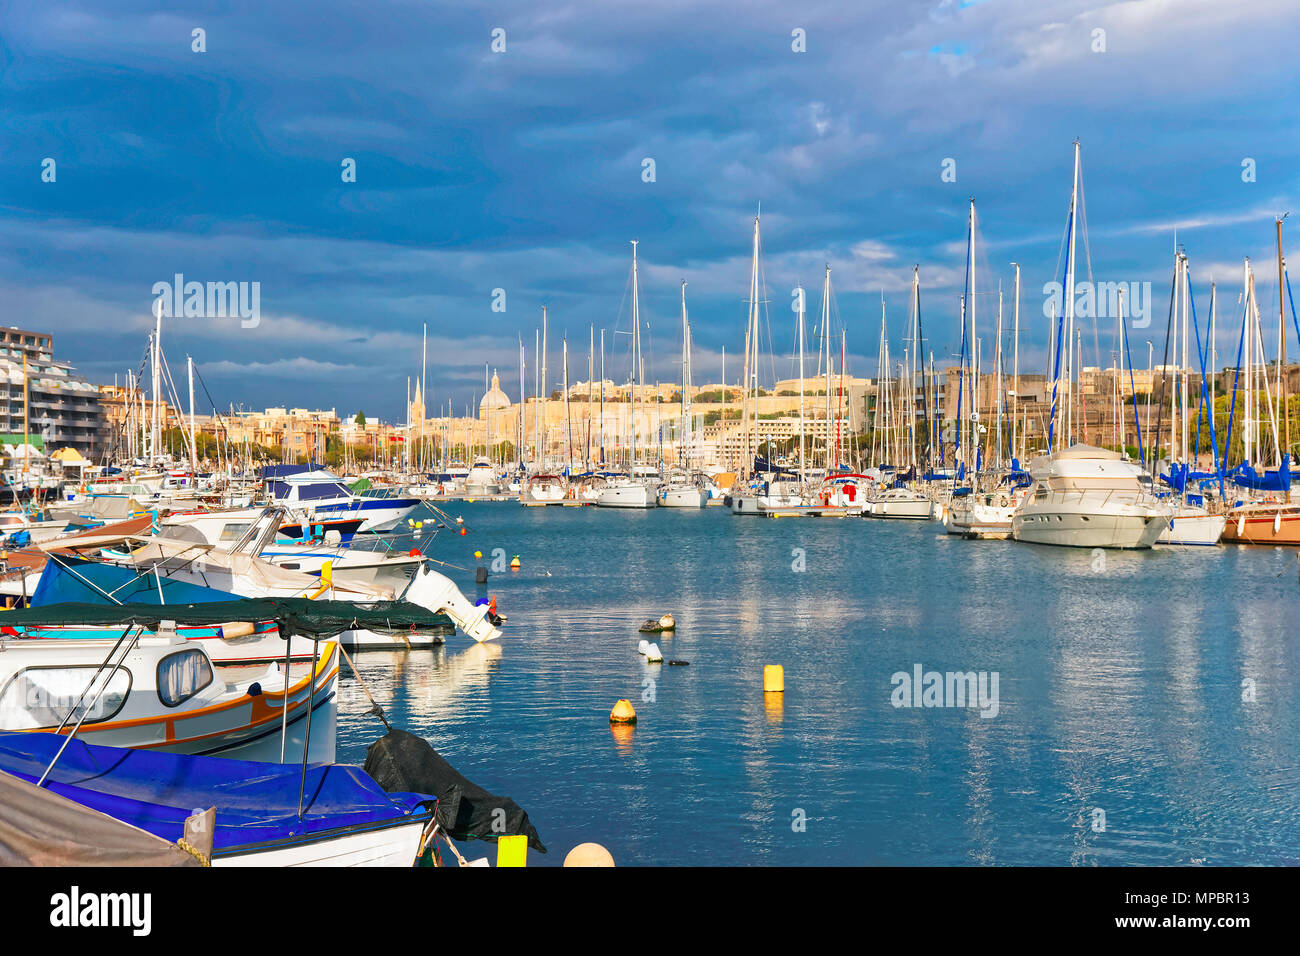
[504,147]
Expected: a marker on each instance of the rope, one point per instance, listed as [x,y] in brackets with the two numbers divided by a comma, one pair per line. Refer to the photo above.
[198,855]
[374,705]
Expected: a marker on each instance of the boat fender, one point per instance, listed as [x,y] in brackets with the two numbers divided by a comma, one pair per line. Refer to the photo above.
[254,689]
[679,663]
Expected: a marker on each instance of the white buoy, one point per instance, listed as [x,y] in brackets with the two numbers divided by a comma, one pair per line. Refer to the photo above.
[643,646]
[653,655]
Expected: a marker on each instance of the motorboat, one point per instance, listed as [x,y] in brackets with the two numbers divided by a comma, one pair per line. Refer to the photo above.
[1088,497]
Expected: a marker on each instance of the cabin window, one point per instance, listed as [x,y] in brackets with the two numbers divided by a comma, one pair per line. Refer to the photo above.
[233,530]
[44,696]
[182,675]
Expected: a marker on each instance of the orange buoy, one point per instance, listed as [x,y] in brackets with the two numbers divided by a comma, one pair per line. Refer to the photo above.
[623,713]
[463,531]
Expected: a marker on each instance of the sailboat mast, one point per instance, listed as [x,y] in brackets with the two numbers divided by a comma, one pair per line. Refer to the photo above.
[1283,408]
[685,399]
[1015,364]
[542,433]
[801,428]
[826,344]
[970,313]
[636,351]
[1069,294]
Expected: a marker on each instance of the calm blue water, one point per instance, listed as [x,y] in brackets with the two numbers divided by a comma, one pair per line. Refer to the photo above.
[1120,690]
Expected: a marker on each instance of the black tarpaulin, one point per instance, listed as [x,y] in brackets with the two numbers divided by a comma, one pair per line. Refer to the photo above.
[295,616]
[400,761]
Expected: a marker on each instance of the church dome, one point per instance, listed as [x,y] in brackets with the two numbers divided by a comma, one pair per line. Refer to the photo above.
[494,399]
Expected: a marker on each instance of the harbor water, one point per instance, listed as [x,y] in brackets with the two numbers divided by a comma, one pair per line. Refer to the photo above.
[1146,707]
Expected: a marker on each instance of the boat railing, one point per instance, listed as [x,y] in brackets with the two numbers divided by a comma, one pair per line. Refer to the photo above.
[121,659]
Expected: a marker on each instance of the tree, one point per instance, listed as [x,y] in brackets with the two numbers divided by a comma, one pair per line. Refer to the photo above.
[360,419]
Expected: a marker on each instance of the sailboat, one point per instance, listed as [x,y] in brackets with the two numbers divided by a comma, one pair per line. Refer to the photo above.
[893,497]
[766,491]
[1192,523]
[638,489]
[681,490]
[1268,516]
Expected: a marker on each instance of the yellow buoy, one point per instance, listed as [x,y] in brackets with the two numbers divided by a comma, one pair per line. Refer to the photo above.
[512,850]
[515,562]
[773,679]
[589,854]
[478,554]
[667,623]
[623,713]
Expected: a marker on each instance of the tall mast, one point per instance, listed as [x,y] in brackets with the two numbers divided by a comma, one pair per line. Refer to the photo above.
[970,312]
[543,433]
[751,349]
[1015,364]
[537,399]
[636,350]
[826,344]
[523,390]
[424,388]
[1284,411]
[602,396]
[194,449]
[591,374]
[568,421]
[1069,290]
[685,401]
[1247,430]
[801,429]
[997,374]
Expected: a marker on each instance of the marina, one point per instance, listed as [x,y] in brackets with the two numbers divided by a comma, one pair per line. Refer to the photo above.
[751,441]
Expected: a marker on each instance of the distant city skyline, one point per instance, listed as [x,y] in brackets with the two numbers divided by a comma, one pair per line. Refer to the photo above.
[374,168]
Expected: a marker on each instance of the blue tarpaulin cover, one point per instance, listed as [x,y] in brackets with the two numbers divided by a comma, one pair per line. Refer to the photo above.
[76,579]
[256,803]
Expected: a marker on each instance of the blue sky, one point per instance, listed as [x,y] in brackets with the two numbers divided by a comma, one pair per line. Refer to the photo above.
[522,170]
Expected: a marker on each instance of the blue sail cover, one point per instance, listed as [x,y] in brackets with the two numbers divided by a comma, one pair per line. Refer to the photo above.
[1245,477]
[256,803]
[76,579]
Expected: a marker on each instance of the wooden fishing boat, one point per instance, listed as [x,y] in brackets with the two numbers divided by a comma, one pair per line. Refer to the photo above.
[157,691]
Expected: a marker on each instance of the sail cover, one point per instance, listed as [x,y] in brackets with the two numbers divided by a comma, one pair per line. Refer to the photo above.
[256,803]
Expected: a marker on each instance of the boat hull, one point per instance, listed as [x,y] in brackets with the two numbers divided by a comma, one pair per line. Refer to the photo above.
[1065,526]
[1193,530]
[627,496]
[681,498]
[1262,526]
[393,845]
